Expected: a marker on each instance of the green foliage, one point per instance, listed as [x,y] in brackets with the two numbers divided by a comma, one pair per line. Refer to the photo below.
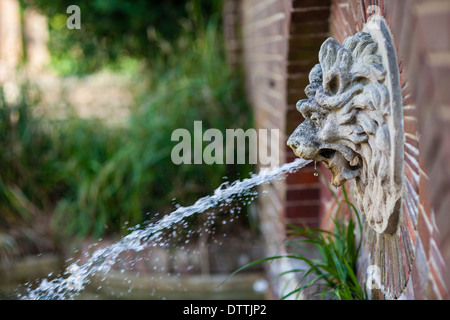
[333,272]
[28,178]
[137,174]
[25,158]
[98,177]
[84,147]
[111,29]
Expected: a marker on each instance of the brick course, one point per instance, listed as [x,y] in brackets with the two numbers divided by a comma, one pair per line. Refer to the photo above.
[280,41]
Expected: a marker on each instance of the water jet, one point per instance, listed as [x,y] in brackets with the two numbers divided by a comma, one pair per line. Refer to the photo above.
[76,276]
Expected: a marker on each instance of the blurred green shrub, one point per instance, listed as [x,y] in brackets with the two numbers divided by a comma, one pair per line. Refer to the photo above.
[29,179]
[136,174]
[99,177]
[111,29]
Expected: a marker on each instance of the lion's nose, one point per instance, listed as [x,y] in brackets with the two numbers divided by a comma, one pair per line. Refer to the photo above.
[303,141]
[292,142]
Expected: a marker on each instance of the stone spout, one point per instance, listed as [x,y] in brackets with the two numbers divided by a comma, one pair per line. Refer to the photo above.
[353,122]
[311,142]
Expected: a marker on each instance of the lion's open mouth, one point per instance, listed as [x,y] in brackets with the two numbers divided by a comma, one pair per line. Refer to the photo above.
[342,167]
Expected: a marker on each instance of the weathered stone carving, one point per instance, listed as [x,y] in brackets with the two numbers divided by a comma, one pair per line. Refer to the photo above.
[353,121]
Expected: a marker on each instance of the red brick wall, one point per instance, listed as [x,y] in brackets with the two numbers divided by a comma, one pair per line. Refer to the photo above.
[308,29]
[280,43]
[413,264]
[423,39]
[280,40]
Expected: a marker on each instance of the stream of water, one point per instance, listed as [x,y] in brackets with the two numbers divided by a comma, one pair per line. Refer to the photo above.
[75,277]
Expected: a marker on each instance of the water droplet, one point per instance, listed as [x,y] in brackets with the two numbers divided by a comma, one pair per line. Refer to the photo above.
[316,174]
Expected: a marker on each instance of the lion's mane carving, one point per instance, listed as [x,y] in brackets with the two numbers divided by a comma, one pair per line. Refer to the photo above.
[347,125]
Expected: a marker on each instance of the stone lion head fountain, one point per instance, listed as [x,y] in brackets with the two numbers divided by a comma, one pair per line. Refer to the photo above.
[353,121]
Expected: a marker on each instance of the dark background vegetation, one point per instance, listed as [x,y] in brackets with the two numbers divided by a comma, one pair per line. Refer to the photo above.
[78,177]
[112,29]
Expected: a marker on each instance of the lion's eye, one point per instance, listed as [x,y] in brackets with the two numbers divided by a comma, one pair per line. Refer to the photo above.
[334,84]
[315,118]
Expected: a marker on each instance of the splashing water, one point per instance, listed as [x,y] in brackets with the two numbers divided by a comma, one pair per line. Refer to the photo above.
[75,277]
